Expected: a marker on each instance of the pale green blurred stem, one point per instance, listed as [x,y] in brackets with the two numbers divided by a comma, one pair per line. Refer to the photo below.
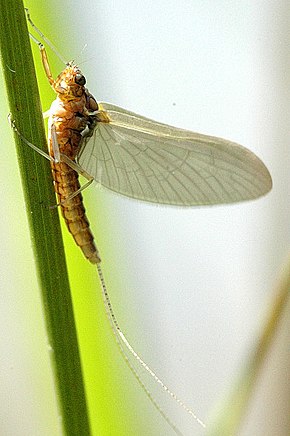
[23,96]
[230,415]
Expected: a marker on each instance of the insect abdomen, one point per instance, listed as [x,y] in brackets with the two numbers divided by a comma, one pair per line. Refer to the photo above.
[73,210]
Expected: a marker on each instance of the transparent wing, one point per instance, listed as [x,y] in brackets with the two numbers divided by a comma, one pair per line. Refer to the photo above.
[154,162]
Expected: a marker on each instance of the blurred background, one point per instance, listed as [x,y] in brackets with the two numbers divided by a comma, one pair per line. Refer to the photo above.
[189,287]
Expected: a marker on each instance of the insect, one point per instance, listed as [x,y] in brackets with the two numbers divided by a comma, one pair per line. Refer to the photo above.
[138,157]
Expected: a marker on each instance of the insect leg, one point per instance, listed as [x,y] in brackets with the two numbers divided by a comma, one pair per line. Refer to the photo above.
[34,147]
[75,166]
[44,60]
[79,170]
[78,191]
[60,157]
[54,143]
[46,40]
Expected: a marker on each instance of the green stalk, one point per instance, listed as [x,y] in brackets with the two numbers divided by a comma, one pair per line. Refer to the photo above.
[229,418]
[44,224]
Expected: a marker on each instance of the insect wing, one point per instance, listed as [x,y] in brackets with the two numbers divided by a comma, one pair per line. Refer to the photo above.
[154,162]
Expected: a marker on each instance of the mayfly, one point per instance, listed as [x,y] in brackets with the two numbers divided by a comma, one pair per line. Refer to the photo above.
[139,158]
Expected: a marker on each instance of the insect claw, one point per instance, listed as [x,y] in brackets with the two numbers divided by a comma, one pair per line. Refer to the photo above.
[11,122]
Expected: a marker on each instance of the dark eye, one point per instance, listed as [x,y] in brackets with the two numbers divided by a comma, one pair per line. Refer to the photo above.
[80,79]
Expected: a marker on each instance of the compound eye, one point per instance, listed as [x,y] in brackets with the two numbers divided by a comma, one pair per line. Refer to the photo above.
[80,79]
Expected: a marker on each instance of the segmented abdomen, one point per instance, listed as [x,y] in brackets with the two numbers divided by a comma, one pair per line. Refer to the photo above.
[73,210]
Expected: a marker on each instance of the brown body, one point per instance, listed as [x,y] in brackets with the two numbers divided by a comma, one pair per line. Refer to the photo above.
[70,115]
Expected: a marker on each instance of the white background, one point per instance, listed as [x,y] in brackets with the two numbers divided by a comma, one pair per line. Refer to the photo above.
[196,282]
[201,277]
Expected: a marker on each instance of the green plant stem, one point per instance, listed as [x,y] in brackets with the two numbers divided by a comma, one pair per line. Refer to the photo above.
[228,419]
[46,237]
